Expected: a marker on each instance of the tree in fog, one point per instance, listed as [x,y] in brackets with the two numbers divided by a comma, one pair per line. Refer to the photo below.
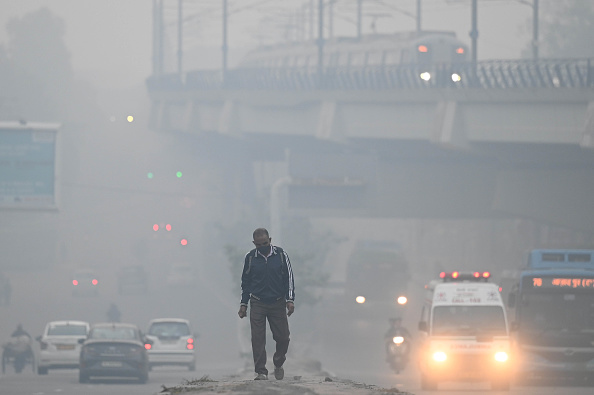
[567,29]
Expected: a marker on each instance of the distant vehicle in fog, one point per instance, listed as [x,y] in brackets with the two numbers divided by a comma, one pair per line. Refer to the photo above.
[554,315]
[173,343]
[59,346]
[114,350]
[132,279]
[377,274]
[180,274]
[85,283]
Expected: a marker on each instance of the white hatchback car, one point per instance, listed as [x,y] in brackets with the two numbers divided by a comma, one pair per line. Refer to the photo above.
[59,346]
[173,343]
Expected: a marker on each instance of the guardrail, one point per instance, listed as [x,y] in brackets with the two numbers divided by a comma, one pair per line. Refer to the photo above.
[495,74]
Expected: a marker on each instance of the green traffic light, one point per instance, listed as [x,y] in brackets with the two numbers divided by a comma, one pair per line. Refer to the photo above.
[150,175]
[179,174]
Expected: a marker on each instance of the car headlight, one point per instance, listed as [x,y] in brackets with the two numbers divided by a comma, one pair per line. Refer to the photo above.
[501,356]
[456,77]
[439,356]
[426,76]
[398,339]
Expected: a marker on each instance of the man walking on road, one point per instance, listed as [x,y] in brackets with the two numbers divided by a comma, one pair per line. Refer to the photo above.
[267,283]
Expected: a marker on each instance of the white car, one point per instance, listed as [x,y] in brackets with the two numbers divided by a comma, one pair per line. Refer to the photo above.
[173,343]
[59,346]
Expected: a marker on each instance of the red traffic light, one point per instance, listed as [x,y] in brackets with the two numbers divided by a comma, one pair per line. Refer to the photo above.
[184,242]
[156,227]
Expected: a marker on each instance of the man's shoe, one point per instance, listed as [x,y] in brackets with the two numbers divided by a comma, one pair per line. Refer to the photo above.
[261,376]
[279,373]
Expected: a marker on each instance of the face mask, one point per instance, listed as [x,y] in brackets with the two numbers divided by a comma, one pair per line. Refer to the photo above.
[264,250]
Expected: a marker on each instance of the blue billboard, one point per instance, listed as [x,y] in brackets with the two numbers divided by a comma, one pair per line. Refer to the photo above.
[28,165]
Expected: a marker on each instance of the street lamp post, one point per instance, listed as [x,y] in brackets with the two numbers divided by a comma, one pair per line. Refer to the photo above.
[180,23]
[534,43]
[224,47]
[320,42]
[474,31]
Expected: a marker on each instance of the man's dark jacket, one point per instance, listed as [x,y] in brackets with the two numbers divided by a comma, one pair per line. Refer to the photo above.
[267,279]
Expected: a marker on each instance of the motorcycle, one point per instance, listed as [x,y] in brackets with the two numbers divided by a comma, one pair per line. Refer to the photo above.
[398,351]
[18,353]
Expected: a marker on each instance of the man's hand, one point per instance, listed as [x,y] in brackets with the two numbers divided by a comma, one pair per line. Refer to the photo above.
[290,308]
[242,311]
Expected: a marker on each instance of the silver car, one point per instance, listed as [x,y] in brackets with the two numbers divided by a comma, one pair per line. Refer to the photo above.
[173,343]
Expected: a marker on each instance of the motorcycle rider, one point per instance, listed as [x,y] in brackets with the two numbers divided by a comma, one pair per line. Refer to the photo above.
[396,329]
[19,331]
[113,313]
[18,348]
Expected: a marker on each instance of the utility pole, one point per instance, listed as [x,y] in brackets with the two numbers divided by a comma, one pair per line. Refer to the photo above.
[359,18]
[311,19]
[418,16]
[474,31]
[320,42]
[535,30]
[180,23]
[157,37]
[331,19]
[224,47]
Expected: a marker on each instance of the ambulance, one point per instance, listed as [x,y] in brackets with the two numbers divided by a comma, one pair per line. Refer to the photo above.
[465,334]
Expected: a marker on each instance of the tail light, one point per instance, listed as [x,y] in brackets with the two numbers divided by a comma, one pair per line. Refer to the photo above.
[74,282]
[147,346]
[94,282]
[190,344]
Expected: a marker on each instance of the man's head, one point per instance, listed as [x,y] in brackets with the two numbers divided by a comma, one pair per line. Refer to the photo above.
[261,238]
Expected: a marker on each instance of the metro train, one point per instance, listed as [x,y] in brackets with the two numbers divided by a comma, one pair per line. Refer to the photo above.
[425,51]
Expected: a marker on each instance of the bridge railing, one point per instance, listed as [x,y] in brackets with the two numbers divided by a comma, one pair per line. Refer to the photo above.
[495,74]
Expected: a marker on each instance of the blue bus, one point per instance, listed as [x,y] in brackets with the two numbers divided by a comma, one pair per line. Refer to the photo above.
[554,315]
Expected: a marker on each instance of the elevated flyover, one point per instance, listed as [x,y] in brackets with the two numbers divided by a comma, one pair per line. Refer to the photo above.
[511,138]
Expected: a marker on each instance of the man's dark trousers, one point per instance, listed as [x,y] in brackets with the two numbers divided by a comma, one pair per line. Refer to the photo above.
[279,325]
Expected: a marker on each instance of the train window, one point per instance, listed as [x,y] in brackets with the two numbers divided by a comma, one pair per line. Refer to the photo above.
[302,61]
[357,59]
[374,58]
[333,61]
[404,57]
